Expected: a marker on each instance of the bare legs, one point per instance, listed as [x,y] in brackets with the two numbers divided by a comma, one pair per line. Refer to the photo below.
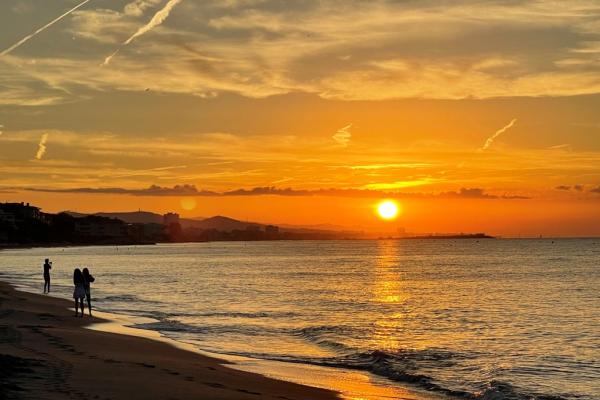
[77,303]
[89,301]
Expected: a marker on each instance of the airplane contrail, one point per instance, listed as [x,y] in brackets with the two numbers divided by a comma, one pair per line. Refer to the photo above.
[499,132]
[43,28]
[156,20]
[343,135]
[42,147]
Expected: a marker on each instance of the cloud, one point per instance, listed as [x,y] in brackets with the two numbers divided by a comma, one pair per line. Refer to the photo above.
[343,135]
[156,20]
[399,184]
[388,166]
[137,7]
[43,28]
[577,188]
[565,146]
[192,190]
[499,132]
[595,190]
[41,147]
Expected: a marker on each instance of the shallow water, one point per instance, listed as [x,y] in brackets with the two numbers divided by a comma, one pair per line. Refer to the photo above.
[490,318]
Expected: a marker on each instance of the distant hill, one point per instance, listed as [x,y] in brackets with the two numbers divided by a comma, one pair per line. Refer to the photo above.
[219,222]
[135,217]
[222,223]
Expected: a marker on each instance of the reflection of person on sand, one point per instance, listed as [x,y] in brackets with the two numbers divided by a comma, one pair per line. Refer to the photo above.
[87,279]
[79,292]
[47,268]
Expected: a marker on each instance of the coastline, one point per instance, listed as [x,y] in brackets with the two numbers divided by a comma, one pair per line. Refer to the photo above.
[48,353]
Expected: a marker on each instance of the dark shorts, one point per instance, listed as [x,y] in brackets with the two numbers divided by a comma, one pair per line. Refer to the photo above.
[46,277]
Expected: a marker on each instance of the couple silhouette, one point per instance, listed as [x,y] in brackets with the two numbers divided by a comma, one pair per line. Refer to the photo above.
[82,281]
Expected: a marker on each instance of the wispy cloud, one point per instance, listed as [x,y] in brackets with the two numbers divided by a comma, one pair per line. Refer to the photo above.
[564,146]
[43,28]
[156,20]
[388,166]
[343,135]
[399,184]
[42,147]
[577,188]
[499,132]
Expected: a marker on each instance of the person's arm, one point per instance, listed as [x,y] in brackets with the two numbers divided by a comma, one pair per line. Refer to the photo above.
[92,279]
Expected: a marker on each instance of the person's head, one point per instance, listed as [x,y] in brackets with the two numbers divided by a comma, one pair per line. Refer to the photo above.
[77,275]
[47,260]
[86,273]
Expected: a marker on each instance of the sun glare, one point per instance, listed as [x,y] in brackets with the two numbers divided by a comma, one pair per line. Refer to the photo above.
[388,209]
[188,203]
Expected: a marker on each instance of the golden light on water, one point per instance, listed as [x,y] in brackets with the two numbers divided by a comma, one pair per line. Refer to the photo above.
[388,210]
[188,203]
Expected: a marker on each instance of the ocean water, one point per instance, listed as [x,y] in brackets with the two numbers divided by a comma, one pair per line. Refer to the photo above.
[490,319]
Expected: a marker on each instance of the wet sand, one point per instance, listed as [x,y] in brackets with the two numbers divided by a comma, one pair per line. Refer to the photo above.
[46,353]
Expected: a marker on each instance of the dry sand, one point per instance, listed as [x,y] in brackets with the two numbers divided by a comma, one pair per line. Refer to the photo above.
[46,353]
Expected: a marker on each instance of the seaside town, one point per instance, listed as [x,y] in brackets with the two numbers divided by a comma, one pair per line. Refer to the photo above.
[25,224]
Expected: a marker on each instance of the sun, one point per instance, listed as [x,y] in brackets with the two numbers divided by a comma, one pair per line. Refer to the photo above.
[188,203]
[388,210]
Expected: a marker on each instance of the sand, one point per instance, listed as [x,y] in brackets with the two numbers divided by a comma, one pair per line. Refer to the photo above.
[47,353]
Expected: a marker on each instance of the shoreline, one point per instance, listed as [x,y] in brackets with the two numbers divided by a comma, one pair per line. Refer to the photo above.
[46,352]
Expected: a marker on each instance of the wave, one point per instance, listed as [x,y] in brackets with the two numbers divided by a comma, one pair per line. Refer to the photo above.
[169,325]
[402,367]
[232,314]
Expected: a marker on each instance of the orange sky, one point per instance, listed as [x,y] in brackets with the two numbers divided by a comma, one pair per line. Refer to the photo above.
[309,114]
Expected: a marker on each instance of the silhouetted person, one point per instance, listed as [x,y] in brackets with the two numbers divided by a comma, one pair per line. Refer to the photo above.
[87,279]
[79,292]
[47,268]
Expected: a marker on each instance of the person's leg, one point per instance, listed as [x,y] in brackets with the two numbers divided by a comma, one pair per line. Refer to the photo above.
[82,308]
[48,284]
[89,301]
[76,306]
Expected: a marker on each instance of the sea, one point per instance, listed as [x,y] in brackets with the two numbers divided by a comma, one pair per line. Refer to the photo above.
[456,318]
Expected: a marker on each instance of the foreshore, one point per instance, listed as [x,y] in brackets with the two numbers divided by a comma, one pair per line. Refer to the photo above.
[47,353]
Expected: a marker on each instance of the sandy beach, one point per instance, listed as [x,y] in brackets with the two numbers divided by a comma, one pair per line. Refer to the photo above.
[46,353]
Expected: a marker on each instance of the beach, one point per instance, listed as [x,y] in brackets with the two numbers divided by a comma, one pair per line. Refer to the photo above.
[372,320]
[47,353]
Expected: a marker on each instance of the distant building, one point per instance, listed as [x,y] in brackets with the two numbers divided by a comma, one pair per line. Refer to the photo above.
[253,228]
[100,227]
[21,211]
[271,230]
[8,218]
[154,231]
[170,218]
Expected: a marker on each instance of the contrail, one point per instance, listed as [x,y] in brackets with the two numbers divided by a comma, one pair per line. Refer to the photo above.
[343,135]
[499,132]
[43,28]
[156,20]
[42,147]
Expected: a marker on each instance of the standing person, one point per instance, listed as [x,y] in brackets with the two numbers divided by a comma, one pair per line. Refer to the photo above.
[79,292]
[47,268]
[87,279]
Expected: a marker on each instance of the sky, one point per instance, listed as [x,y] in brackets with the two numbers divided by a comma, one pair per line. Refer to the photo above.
[476,116]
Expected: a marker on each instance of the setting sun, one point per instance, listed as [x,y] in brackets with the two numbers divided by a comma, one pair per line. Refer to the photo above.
[188,203]
[387,209]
